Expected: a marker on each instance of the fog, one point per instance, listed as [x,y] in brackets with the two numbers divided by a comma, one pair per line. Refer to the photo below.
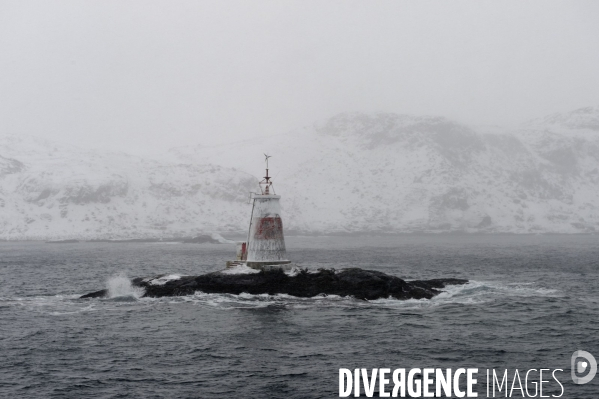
[143,76]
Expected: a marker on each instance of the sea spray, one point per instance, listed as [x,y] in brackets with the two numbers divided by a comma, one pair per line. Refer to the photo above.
[120,286]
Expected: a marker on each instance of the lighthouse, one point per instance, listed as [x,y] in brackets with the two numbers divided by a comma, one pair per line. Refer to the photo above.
[265,245]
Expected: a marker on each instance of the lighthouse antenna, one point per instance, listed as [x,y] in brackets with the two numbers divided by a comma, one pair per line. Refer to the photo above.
[266,158]
[266,182]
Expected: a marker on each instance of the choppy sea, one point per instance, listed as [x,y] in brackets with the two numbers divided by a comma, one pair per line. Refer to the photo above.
[531,302]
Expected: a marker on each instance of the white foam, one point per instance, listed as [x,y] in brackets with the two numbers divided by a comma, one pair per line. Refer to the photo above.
[120,286]
[474,292]
[57,305]
[294,271]
[249,301]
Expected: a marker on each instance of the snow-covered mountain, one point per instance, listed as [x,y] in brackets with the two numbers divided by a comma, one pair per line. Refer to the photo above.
[50,191]
[402,173]
[351,173]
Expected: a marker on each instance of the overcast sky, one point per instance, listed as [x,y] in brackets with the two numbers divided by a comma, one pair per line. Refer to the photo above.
[149,75]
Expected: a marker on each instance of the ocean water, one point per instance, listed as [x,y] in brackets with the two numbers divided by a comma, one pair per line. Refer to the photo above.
[532,301]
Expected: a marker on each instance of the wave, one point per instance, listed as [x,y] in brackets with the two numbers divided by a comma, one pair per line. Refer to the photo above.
[56,305]
[119,287]
[474,292]
[122,295]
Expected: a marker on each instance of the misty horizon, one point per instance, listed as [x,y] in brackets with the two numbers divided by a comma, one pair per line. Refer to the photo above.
[144,76]
[508,129]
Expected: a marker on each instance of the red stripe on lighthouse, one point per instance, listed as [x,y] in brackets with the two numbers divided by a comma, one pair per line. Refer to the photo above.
[269,228]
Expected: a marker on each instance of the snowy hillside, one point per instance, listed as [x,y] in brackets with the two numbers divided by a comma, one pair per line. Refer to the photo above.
[351,173]
[401,173]
[50,191]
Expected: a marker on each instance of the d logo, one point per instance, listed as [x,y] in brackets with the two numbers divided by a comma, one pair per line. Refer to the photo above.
[579,366]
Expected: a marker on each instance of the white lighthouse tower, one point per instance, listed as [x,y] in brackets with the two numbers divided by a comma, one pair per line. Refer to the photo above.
[265,246]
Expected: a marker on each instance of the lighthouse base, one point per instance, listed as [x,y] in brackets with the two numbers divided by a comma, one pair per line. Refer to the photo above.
[270,265]
[262,265]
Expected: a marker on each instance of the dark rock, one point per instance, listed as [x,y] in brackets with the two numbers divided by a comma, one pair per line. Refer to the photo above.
[359,283]
[97,294]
